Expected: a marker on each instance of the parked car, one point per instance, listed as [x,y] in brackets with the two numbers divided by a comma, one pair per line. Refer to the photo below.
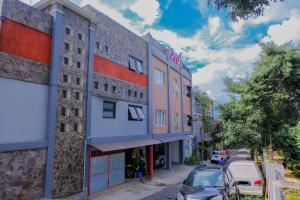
[206,183]
[217,156]
[247,176]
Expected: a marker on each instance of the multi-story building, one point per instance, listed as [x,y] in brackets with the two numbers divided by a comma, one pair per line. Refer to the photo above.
[80,97]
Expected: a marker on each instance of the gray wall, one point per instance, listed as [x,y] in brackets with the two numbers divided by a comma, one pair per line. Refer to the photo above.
[175,154]
[23,107]
[120,126]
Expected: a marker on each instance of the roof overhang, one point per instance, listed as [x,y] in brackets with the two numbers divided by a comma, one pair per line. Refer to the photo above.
[170,137]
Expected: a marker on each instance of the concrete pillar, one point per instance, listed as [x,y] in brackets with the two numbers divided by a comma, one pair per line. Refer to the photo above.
[151,161]
[168,156]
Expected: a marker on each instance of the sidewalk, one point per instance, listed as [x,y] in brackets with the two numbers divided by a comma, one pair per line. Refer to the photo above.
[135,189]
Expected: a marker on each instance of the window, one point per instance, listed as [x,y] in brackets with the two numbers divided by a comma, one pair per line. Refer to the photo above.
[189,120]
[135,94]
[159,77]
[105,87]
[96,85]
[139,66]
[78,81]
[106,49]
[114,89]
[67,46]
[65,78]
[67,31]
[79,64]
[141,95]
[76,127]
[78,112]
[188,91]
[135,113]
[160,117]
[79,50]
[176,120]
[175,88]
[109,109]
[132,65]
[129,93]
[97,45]
[63,111]
[62,127]
[66,61]
[66,94]
[79,36]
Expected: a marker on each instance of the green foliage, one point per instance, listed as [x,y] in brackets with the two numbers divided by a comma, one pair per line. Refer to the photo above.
[194,159]
[267,108]
[242,9]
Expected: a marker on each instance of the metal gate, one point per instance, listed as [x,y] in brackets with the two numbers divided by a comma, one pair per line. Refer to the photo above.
[106,171]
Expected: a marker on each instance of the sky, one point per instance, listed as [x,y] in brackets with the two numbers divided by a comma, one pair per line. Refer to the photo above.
[212,45]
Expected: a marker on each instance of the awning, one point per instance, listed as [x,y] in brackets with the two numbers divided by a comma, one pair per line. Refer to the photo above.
[170,137]
[125,144]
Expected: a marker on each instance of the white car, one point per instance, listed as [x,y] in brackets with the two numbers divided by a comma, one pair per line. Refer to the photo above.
[247,176]
[217,156]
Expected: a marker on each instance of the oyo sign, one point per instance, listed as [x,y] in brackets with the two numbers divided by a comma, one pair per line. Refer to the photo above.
[174,56]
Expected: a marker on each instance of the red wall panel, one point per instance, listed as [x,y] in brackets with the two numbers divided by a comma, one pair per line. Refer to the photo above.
[109,68]
[23,41]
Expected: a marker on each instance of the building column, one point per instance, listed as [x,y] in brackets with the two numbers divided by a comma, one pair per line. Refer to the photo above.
[92,35]
[151,161]
[168,156]
[57,34]
[181,151]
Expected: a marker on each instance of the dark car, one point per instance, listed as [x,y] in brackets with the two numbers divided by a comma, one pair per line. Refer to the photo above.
[205,183]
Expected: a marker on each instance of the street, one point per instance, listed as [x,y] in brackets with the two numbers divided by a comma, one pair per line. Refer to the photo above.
[167,193]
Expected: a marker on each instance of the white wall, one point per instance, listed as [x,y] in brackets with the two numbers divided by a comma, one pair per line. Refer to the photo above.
[120,126]
[23,111]
[175,153]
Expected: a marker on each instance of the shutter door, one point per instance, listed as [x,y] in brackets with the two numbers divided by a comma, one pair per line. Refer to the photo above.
[99,174]
[117,169]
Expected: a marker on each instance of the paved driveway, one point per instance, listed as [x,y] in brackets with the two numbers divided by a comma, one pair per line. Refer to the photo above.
[135,189]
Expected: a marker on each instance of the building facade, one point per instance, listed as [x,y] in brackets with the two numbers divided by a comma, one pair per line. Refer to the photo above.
[82,98]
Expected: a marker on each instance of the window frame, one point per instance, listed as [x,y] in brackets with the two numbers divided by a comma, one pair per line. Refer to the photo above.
[160,118]
[136,110]
[159,77]
[113,110]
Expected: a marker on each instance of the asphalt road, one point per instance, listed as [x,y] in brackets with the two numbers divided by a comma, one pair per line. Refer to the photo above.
[166,194]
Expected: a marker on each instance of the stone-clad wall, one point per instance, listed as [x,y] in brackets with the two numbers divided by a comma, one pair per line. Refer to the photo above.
[116,42]
[69,147]
[22,69]
[122,88]
[27,15]
[22,174]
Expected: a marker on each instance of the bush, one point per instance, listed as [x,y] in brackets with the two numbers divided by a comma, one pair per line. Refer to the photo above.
[194,159]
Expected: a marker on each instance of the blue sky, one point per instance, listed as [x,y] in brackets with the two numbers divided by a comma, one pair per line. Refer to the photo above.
[212,45]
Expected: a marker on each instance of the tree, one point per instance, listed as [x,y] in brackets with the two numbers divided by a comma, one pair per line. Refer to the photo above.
[268,104]
[242,9]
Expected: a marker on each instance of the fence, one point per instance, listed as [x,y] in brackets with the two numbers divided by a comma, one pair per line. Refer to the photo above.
[276,185]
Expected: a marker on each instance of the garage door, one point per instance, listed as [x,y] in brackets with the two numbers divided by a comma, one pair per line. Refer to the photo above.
[106,171]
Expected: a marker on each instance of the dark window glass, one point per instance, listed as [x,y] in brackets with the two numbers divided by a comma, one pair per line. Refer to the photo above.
[141,95]
[75,127]
[63,111]
[205,178]
[105,87]
[79,36]
[67,46]
[66,60]
[114,89]
[189,120]
[106,49]
[62,127]
[64,93]
[79,50]
[129,93]
[96,85]
[109,109]
[78,81]
[78,64]
[135,93]
[76,112]
[132,64]
[67,31]
[77,95]
[188,91]
[65,78]
[135,113]
[97,45]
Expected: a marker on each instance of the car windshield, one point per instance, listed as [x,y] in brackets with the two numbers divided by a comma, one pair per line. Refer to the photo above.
[205,178]
[216,153]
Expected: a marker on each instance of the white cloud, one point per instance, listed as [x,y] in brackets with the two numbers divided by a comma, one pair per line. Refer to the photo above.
[288,30]
[148,10]
[214,24]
